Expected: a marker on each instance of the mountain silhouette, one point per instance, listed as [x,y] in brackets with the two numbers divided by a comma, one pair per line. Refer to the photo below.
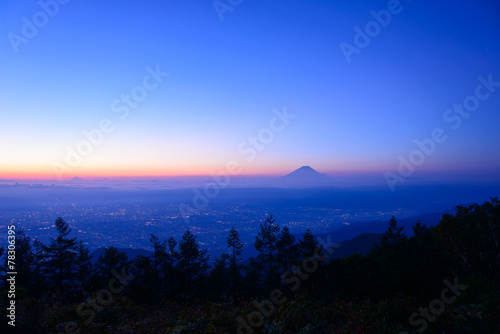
[77,179]
[305,175]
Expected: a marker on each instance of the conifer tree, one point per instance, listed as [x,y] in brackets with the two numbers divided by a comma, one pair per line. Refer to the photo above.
[24,259]
[266,245]
[236,247]
[84,266]
[111,260]
[38,279]
[288,250]
[61,256]
[218,277]
[392,257]
[193,262]
[308,245]
[142,288]
[393,234]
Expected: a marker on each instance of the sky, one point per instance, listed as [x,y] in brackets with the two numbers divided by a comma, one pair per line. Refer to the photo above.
[167,88]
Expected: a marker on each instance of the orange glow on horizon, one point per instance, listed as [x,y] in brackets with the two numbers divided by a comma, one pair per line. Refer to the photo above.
[46,173]
[27,174]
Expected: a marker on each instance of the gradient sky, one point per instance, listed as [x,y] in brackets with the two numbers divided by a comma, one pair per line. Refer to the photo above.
[227,76]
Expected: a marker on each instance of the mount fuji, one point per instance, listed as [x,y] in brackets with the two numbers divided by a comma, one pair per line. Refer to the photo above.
[305,175]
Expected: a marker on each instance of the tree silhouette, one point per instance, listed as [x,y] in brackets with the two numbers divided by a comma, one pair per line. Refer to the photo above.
[393,234]
[308,245]
[83,267]
[236,247]
[111,260]
[266,245]
[218,277]
[60,257]
[38,279]
[142,288]
[472,238]
[392,256]
[164,274]
[193,262]
[24,259]
[288,250]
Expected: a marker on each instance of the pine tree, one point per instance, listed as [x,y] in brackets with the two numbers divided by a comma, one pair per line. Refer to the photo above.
[424,265]
[61,257]
[174,254]
[472,238]
[392,257]
[24,259]
[236,247]
[142,288]
[253,274]
[84,267]
[287,250]
[308,245]
[266,245]
[218,277]
[174,277]
[164,256]
[111,260]
[160,252]
[193,262]
[393,234]
[38,279]
[391,240]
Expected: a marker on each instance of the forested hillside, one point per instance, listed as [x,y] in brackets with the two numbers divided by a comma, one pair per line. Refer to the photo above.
[442,279]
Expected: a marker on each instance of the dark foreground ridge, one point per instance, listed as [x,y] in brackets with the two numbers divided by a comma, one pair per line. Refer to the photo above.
[443,278]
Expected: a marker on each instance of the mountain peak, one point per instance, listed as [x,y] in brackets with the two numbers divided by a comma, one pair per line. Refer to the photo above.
[306,168]
[305,175]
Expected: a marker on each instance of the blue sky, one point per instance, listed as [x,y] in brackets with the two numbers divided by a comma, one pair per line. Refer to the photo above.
[225,78]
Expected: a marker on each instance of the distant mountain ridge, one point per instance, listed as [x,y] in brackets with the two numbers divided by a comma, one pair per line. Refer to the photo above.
[304,175]
[77,179]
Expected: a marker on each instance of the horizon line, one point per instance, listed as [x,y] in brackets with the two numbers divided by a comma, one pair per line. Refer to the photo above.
[18,176]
